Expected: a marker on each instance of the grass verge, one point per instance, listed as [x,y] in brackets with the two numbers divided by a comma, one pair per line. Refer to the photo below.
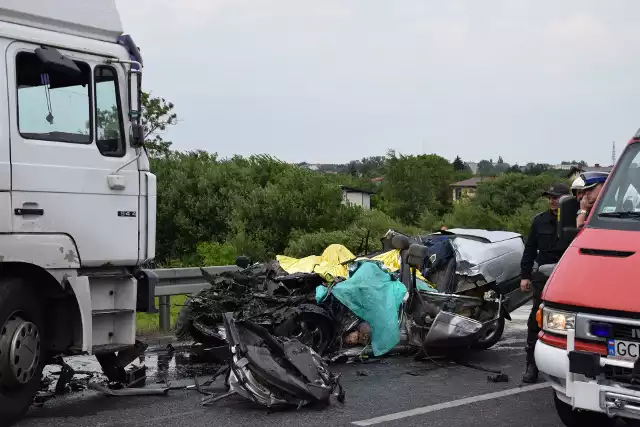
[149,324]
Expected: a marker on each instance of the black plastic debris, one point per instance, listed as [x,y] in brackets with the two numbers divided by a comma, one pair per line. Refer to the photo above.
[500,378]
[262,293]
[275,372]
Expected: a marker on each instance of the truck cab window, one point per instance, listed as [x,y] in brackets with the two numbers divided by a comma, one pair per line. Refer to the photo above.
[51,105]
[110,135]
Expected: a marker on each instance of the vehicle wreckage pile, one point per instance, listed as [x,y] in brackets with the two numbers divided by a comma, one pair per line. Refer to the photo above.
[442,291]
[274,328]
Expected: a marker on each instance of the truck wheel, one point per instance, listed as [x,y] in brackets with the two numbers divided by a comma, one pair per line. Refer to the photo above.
[580,418]
[21,348]
[491,336]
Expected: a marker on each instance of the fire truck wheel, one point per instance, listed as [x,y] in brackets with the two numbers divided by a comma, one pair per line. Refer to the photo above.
[21,348]
[580,418]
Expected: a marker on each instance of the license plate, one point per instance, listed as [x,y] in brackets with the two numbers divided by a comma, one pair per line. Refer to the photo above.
[626,350]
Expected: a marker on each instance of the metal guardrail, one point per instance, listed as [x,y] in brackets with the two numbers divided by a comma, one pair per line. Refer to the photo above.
[181,281]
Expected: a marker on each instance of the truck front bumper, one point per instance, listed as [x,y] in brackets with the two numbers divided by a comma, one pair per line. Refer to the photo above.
[579,380]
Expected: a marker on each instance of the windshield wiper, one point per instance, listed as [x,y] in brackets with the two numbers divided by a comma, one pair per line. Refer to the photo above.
[622,214]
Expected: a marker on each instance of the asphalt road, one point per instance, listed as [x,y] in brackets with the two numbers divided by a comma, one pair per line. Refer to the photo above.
[392,392]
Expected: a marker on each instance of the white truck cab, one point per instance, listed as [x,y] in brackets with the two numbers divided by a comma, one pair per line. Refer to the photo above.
[77,199]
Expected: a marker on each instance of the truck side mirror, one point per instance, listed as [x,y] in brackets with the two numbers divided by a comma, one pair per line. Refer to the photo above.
[137,135]
[567,211]
[135,110]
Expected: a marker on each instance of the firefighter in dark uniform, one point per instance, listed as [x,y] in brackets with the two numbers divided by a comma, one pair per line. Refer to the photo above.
[543,247]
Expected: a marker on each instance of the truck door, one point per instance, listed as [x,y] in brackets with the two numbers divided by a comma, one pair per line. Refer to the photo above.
[67,144]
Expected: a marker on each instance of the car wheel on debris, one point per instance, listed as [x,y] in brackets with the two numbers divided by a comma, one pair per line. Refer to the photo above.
[310,329]
[580,418]
[186,327]
[184,320]
[491,336]
[21,348]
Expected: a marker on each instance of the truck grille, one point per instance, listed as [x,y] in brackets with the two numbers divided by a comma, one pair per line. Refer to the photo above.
[626,332]
[616,373]
[622,376]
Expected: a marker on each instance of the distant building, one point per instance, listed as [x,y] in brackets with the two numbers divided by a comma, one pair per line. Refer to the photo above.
[473,166]
[309,166]
[465,189]
[566,167]
[357,197]
[576,170]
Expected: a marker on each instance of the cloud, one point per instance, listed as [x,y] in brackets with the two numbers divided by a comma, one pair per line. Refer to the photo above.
[581,31]
[527,79]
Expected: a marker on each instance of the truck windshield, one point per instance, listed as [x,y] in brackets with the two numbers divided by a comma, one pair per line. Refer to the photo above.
[51,105]
[619,206]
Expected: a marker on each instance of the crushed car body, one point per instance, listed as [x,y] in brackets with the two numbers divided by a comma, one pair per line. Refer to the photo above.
[274,371]
[445,290]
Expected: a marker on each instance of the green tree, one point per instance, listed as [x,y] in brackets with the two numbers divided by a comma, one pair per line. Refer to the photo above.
[486,168]
[507,193]
[536,169]
[458,164]
[196,201]
[414,184]
[297,200]
[514,169]
[157,115]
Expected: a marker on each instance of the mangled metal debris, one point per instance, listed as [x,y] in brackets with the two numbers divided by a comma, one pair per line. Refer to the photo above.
[272,371]
[163,391]
[447,290]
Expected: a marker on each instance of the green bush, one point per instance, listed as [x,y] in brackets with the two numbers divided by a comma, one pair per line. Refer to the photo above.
[468,214]
[212,253]
[378,222]
[211,210]
[305,244]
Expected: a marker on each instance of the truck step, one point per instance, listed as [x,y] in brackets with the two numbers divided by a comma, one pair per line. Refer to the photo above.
[107,274]
[110,311]
[110,348]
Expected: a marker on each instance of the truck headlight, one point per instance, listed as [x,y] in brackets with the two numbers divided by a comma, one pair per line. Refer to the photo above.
[557,321]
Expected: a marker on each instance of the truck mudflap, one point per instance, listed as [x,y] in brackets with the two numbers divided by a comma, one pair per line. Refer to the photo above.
[586,390]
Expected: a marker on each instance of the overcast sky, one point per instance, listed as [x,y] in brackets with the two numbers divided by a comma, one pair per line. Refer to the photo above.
[335,80]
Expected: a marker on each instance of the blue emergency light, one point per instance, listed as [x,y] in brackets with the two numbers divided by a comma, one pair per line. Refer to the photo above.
[603,330]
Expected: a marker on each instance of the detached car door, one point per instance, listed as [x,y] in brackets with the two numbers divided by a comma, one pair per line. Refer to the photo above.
[67,138]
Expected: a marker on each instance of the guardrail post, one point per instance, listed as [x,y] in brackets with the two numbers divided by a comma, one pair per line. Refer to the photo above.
[165,312]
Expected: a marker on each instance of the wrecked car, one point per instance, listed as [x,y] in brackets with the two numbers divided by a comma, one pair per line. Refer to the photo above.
[471,268]
[273,371]
[449,289]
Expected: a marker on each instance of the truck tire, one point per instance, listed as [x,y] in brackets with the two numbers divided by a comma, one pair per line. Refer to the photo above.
[22,359]
[491,337]
[580,418]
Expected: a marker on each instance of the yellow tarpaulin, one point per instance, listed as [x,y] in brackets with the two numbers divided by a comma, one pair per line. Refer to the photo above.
[329,264]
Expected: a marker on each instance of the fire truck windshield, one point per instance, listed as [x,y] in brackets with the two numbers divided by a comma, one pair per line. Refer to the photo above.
[619,206]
